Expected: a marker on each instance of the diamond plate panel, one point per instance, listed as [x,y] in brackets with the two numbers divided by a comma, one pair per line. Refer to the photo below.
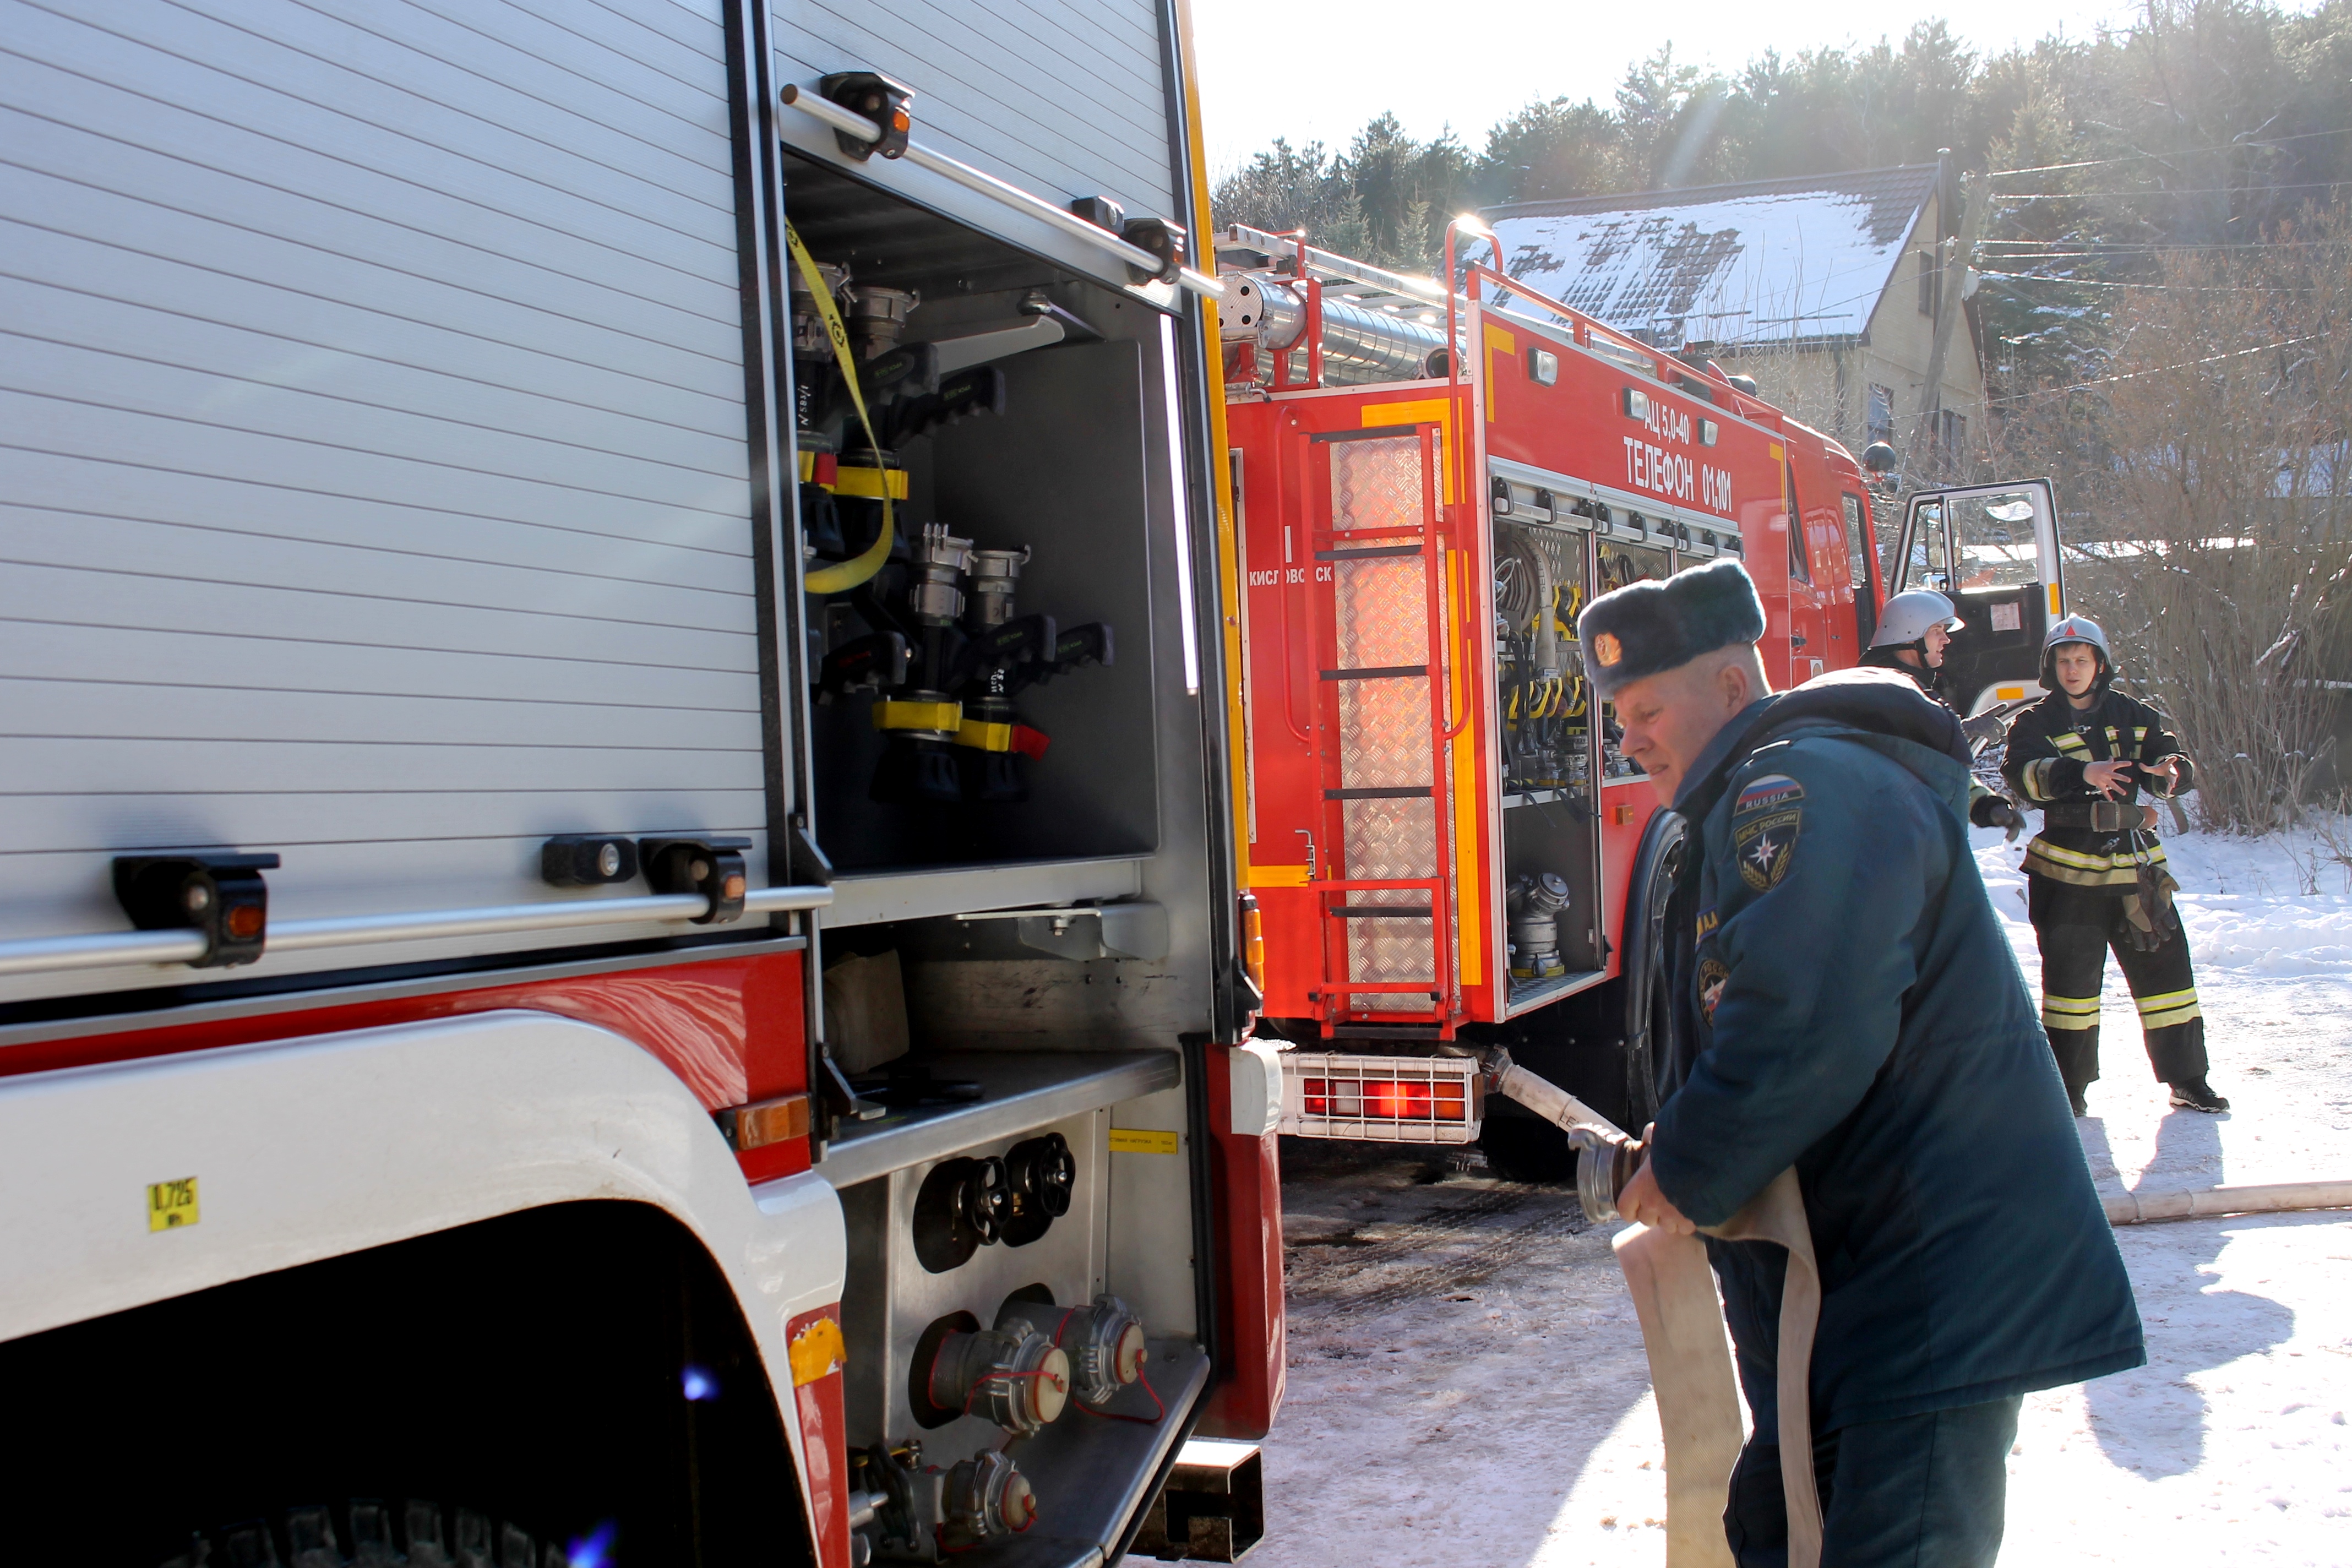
[1384,733]
[1376,483]
[1390,840]
[1380,609]
[1380,614]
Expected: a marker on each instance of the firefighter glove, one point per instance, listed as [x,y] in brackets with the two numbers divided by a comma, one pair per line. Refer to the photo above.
[1998,811]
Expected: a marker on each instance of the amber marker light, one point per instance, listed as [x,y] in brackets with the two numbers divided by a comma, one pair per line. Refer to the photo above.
[767,1121]
[1254,943]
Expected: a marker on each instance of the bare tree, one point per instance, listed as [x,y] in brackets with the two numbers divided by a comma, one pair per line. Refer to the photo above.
[2208,484]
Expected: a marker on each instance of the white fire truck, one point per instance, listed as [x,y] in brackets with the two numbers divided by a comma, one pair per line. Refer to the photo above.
[619,939]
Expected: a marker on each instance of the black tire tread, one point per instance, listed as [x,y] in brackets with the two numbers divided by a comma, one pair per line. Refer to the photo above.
[429,1536]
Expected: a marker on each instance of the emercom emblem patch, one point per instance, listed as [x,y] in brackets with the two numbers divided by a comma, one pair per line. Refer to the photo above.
[1764,845]
[1712,974]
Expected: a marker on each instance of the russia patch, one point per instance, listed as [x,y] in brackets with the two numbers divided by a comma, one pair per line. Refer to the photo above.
[1764,793]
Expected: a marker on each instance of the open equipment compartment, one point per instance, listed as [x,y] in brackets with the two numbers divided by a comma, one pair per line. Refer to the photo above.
[1012,718]
[1010,780]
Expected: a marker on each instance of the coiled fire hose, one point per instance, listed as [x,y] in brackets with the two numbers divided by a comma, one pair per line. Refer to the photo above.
[1674,1294]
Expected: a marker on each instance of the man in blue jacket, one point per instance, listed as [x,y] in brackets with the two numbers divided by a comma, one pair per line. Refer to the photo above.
[1848,1004]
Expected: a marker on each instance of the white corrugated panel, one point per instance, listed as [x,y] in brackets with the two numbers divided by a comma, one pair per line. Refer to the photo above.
[372,467]
[1062,98]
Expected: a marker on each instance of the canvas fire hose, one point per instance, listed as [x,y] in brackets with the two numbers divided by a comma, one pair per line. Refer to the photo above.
[846,574]
[1672,1288]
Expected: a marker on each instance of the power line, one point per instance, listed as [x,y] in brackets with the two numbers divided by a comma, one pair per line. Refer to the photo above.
[2186,152]
[2038,250]
[2161,190]
[2104,283]
[2157,369]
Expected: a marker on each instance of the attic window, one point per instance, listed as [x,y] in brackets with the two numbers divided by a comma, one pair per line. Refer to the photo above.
[1931,284]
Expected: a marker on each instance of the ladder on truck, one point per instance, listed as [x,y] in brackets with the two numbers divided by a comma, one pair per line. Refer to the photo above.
[1379,624]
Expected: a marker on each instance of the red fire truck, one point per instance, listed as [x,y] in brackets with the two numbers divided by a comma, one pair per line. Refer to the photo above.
[618,939]
[1444,840]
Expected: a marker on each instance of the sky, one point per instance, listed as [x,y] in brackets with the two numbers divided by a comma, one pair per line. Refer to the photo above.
[1312,73]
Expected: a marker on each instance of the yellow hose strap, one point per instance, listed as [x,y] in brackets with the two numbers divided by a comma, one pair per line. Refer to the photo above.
[874,484]
[984,737]
[896,715]
[846,574]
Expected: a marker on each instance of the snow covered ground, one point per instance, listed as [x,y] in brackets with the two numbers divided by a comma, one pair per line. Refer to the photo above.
[1467,1383]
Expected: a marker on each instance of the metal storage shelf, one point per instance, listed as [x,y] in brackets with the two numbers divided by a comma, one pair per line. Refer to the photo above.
[869,897]
[1573,798]
[1529,994]
[1026,1090]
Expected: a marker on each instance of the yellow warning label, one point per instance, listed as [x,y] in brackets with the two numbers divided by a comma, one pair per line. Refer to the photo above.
[1142,1140]
[817,1352]
[1277,876]
[171,1204]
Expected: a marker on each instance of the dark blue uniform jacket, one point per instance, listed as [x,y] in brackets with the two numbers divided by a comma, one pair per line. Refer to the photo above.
[1847,1003]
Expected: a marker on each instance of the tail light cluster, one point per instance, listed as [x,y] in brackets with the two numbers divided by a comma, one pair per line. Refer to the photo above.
[1394,1099]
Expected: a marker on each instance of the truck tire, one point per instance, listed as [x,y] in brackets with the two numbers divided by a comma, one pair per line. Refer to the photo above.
[1522,1149]
[417,1532]
[1649,994]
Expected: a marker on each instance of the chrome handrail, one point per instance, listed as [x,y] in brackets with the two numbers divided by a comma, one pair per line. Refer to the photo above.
[114,950]
[981,183]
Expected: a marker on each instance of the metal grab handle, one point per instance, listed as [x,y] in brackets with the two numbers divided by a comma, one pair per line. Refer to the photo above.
[815,105]
[116,949]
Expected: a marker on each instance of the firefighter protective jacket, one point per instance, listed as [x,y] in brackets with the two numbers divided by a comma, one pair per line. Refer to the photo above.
[2048,746]
[1847,1003]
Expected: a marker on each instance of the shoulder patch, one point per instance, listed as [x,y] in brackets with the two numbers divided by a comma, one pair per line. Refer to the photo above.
[1764,793]
[1712,977]
[1764,845]
[1707,921]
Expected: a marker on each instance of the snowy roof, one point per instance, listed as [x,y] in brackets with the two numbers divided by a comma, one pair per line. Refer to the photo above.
[1769,259]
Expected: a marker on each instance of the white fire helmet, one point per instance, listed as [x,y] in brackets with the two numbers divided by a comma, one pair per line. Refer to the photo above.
[1907,616]
[2075,629]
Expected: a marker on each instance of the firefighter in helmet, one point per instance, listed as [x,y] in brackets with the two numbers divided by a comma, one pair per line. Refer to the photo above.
[1913,630]
[1830,941]
[2096,874]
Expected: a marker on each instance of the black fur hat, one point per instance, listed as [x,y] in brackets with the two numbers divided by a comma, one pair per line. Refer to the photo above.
[1644,627]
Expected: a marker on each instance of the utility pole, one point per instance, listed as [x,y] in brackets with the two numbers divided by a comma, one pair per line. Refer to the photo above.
[1953,276]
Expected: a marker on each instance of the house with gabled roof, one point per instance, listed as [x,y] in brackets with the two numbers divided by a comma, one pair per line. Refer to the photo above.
[1825,289]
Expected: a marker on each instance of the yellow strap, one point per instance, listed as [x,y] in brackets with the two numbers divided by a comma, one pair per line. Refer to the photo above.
[846,574]
[874,484]
[984,737]
[947,717]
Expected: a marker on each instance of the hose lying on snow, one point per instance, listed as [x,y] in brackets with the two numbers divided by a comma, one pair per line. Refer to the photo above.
[2278,1198]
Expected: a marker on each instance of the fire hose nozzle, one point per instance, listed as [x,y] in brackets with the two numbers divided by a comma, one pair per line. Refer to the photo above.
[1607,1155]
[1606,1160]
